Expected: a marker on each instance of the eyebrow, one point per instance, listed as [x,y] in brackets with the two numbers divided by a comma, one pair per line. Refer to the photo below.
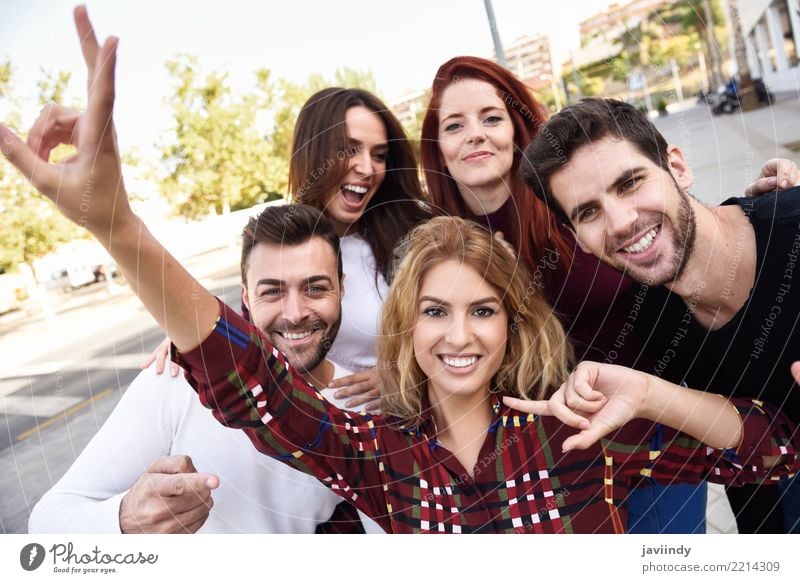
[621,179]
[482,111]
[440,302]
[356,142]
[280,282]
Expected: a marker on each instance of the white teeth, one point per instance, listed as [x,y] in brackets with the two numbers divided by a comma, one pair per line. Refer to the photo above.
[643,243]
[356,189]
[296,335]
[459,362]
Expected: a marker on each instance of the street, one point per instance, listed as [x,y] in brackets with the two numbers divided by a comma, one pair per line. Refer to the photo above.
[53,405]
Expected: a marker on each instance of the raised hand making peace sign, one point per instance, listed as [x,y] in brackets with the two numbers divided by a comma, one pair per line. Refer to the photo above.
[88,189]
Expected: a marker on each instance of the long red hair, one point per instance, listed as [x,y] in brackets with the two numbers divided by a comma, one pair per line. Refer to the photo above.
[536,230]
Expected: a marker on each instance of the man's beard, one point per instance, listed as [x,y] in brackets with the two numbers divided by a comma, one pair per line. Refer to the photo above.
[316,353]
[684,236]
[683,231]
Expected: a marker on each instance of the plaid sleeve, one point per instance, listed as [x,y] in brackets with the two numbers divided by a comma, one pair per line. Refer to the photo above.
[645,449]
[248,384]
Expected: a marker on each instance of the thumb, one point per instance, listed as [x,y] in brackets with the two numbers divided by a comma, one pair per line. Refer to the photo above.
[172,464]
[586,438]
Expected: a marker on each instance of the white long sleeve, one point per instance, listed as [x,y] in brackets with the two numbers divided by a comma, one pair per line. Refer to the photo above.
[160,415]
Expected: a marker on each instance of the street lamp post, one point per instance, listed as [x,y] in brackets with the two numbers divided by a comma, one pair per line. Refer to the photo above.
[498,45]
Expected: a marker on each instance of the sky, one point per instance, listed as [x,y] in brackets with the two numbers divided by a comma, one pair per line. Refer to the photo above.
[402,43]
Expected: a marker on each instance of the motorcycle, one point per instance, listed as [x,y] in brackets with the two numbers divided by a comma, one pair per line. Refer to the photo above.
[726,98]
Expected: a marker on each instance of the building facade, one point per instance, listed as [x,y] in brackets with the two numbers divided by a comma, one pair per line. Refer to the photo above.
[771,31]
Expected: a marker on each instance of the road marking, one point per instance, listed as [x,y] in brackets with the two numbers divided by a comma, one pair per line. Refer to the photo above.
[74,409]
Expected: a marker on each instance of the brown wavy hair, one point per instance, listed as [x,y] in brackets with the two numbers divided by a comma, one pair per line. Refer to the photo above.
[537,355]
[535,229]
[319,163]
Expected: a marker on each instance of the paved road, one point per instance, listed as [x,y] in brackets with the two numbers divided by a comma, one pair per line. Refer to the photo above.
[52,407]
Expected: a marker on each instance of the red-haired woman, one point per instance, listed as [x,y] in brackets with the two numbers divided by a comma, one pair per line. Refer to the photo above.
[479,121]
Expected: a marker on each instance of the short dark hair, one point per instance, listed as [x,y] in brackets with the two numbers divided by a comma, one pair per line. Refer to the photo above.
[290,224]
[577,125]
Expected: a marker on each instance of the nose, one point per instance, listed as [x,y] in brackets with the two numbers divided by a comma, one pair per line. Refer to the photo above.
[459,333]
[475,132]
[621,216]
[295,307]
[362,162]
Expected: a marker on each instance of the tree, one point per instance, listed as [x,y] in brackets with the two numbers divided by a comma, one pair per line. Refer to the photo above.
[218,158]
[229,151]
[29,226]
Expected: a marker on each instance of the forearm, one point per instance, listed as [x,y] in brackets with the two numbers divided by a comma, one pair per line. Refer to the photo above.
[61,512]
[707,417]
[183,308]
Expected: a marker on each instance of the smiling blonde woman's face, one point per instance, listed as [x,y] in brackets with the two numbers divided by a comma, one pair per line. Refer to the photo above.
[460,333]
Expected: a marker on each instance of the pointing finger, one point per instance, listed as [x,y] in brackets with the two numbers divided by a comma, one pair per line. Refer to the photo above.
[535,407]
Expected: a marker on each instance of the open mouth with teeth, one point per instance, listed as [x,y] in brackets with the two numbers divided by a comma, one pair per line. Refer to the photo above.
[644,243]
[459,363]
[353,194]
[297,335]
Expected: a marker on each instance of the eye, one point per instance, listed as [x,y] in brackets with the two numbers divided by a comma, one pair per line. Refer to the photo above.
[484,312]
[493,120]
[587,215]
[315,289]
[451,127]
[630,184]
[270,292]
[434,312]
[380,156]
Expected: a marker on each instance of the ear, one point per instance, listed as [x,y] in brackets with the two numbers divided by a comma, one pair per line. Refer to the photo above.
[679,168]
[341,287]
[245,299]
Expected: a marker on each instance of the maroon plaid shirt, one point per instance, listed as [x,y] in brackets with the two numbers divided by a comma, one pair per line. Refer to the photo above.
[408,482]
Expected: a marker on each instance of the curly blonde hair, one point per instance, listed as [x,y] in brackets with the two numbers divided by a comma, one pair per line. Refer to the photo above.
[537,356]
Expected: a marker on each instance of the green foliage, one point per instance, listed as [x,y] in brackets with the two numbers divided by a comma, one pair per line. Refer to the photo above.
[229,151]
[53,86]
[29,225]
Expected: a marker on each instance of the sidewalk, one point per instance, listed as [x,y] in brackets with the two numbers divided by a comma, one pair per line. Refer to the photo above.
[37,340]
[726,152]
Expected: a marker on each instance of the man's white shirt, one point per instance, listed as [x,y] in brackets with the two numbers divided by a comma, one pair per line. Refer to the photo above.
[160,415]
